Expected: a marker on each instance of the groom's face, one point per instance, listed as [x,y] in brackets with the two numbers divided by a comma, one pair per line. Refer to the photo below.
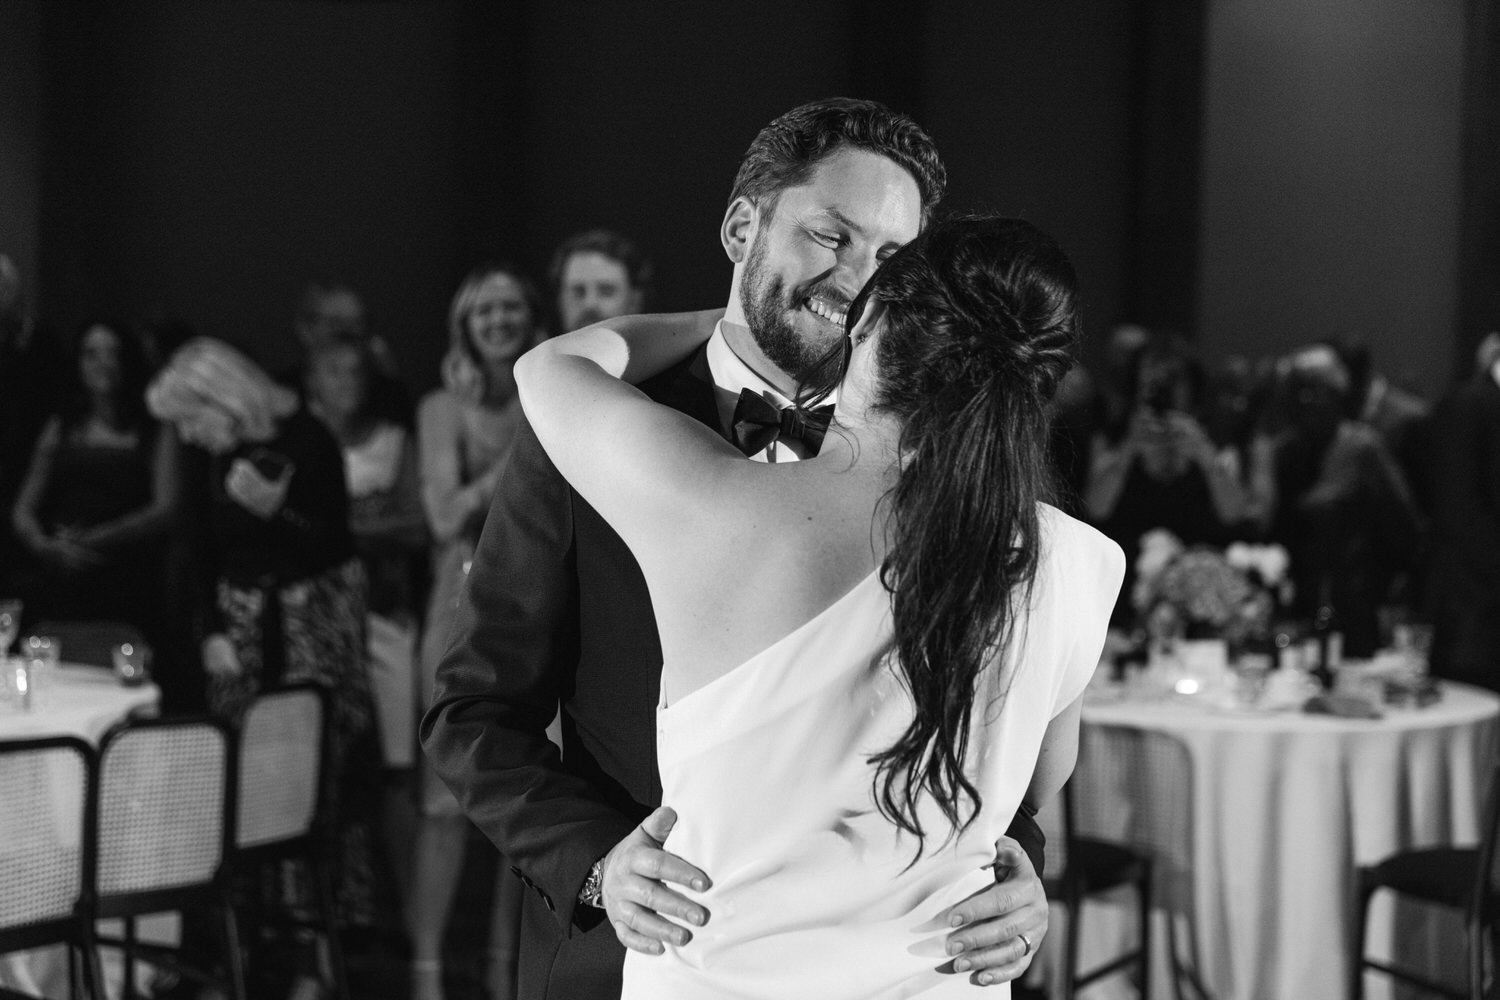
[814,248]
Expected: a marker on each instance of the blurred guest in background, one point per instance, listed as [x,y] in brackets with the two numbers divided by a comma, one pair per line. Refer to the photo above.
[467,429]
[598,274]
[390,537]
[1238,423]
[100,491]
[286,598]
[1117,373]
[1392,412]
[1075,420]
[332,310]
[1464,575]
[32,371]
[1344,511]
[1157,467]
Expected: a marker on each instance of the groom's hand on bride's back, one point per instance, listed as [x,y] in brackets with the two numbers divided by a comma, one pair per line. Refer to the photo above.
[635,881]
[998,929]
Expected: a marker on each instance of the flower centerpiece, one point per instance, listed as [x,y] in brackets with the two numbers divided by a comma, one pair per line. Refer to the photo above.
[1200,592]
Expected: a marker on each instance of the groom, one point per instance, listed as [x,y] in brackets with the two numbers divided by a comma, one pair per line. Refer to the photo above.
[556,613]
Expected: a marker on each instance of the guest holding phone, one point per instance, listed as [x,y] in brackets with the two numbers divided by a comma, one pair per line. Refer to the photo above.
[286,598]
[1157,467]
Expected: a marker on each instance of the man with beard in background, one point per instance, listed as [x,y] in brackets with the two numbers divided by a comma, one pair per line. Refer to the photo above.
[598,275]
[556,615]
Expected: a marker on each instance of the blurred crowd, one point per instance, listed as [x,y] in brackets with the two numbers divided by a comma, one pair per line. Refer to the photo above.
[318,522]
[1387,504]
[314,523]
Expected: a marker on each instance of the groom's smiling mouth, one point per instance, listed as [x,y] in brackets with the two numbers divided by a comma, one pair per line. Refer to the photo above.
[827,311]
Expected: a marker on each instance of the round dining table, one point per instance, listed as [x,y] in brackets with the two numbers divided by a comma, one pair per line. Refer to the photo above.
[82,701]
[1284,806]
[77,700]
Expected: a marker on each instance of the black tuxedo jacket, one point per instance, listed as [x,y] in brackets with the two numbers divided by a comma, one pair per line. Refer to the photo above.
[556,614]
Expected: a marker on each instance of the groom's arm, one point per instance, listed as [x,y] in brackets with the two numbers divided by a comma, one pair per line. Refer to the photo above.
[513,649]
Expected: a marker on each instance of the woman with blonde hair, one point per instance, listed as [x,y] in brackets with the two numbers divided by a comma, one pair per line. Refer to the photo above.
[466,430]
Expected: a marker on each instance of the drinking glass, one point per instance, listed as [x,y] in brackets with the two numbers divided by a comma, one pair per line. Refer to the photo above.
[40,653]
[1413,640]
[13,679]
[10,622]
[1252,673]
[130,660]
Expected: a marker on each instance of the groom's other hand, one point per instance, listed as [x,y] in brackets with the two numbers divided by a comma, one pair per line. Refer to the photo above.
[999,929]
[634,880]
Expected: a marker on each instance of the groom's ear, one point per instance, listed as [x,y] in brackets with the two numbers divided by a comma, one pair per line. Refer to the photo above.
[737,229]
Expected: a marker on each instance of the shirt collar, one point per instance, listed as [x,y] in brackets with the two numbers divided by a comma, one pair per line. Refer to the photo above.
[732,374]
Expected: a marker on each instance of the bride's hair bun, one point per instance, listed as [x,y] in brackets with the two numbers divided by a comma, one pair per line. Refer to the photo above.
[1012,296]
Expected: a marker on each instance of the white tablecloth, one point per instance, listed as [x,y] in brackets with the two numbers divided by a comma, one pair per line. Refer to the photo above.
[1285,806]
[81,701]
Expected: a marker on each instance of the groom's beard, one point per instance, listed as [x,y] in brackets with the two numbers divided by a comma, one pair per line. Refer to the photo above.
[769,310]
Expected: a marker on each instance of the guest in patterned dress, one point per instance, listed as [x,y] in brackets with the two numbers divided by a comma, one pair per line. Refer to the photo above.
[391,540]
[287,597]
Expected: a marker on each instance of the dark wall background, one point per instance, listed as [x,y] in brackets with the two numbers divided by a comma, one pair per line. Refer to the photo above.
[1332,178]
[20,134]
[206,159]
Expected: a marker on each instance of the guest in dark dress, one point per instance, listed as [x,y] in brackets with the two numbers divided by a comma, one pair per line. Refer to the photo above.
[100,492]
[286,601]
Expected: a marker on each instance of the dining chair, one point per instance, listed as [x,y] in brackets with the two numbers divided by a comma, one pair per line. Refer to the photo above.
[90,643]
[1125,820]
[283,755]
[162,837]
[1466,879]
[44,785]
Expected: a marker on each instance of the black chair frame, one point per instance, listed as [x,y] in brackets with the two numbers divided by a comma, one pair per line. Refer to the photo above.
[316,847]
[214,895]
[76,931]
[1083,877]
[1481,909]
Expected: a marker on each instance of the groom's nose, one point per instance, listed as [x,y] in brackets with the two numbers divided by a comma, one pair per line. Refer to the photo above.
[857,262]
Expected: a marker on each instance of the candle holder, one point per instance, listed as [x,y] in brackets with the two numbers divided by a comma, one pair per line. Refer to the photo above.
[132,661]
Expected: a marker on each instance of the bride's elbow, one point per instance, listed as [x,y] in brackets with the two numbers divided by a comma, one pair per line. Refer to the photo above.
[531,370]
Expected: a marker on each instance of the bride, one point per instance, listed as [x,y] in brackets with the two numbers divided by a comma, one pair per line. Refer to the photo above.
[872,657]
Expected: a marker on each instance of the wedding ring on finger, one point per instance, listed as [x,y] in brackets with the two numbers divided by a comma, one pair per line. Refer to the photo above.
[1026,941]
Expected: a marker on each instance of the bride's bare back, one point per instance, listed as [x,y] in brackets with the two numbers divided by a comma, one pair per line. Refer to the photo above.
[736,554]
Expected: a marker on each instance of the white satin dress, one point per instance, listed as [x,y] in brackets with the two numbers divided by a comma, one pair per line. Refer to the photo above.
[814,891]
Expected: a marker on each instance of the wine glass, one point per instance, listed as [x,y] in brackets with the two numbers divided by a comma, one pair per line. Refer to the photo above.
[10,622]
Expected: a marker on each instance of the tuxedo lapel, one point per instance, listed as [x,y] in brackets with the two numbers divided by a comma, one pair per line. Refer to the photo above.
[687,387]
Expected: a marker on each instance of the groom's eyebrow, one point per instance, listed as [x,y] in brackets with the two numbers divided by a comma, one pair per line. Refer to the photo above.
[844,220]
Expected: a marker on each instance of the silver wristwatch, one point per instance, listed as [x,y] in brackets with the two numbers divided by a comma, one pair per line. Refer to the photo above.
[592,893]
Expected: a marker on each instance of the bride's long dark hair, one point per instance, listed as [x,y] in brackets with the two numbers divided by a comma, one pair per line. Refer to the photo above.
[980,325]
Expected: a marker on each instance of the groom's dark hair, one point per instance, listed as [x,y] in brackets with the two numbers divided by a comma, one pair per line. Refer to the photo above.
[785,152]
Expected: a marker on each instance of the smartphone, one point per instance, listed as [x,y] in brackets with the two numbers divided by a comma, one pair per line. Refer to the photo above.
[271,464]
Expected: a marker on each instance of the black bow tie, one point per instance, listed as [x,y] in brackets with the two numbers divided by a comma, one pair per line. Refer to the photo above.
[758,422]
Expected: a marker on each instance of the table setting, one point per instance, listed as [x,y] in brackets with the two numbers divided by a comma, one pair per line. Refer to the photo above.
[1305,764]
[42,693]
